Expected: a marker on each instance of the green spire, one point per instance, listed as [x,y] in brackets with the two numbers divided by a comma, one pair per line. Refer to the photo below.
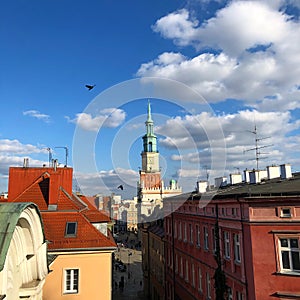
[149,119]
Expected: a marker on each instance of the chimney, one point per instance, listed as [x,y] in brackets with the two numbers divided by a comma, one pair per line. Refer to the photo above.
[285,171]
[235,178]
[26,163]
[257,175]
[220,181]
[254,176]
[55,164]
[202,186]
[273,171]
[247,175]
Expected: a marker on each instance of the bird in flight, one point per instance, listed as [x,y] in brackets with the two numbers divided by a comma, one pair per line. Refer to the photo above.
[90,87]
[120,187]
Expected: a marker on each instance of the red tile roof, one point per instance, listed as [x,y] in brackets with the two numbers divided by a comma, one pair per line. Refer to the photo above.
[87,235]
[70,208]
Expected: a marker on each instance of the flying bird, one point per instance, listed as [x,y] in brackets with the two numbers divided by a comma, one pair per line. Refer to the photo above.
[90,87]
[121,187]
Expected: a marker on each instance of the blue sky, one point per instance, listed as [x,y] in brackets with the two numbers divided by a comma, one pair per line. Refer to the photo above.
[220,67]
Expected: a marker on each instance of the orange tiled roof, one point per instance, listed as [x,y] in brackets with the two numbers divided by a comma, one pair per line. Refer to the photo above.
[93,214]
[87,235]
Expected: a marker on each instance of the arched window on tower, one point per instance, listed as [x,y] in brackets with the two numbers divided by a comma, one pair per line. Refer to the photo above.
[150,147]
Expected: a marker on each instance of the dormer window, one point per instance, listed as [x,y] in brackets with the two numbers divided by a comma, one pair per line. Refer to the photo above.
[71,229]
[286,213]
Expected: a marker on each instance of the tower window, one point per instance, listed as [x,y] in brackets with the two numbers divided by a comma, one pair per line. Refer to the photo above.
[150,147]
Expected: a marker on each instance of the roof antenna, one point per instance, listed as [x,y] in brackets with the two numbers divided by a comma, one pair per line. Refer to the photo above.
[50,155]
[257,147]
[66,149]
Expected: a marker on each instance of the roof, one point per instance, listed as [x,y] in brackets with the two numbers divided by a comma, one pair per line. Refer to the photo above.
[65,208]
[273,187]
[157,230]
[87,236]
[9,216]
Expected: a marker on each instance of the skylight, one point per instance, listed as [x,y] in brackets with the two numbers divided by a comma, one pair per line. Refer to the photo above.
[71,229]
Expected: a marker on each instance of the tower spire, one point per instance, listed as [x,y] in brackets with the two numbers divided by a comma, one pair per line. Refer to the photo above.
[149,119]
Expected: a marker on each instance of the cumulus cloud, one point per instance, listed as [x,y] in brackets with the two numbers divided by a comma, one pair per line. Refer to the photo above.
[36,114]
[109,117]
[16,147]
[107,181]
[237,141]
[252,56]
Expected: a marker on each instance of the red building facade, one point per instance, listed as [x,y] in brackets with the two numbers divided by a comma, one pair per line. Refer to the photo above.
[250,231]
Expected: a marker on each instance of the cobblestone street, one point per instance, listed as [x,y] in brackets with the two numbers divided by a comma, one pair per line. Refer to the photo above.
[132,276]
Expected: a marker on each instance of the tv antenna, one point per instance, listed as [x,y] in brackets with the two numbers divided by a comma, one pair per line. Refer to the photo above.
[66,149]
[50,154]
[257,147]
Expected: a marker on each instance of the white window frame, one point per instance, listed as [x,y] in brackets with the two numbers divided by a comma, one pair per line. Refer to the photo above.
[186,270]
[180,231]
[193,275]
[208,287]
[181,267]
[237,248]
[239,296]
[200,288]
[227,244]
[213,232]
[229,293]
[73,273]
[206,243]
[286,212]
[198,235]
[184,232]
[291,250]
[191,233]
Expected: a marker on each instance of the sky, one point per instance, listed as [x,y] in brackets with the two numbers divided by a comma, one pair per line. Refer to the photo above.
[218,74]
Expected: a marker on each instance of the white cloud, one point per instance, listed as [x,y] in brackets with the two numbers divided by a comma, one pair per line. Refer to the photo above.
[109,117]
[271,68]
[36,114]
[205,144]
[107,181]
[16,147]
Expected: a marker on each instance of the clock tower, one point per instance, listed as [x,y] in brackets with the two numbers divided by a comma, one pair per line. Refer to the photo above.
[150,189]
[150,172]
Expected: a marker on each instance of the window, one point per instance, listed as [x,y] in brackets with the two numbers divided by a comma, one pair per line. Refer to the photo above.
[193,275]
[214,240]
[200,280]
[176,263]
[205,238]
[71,229]
[181,267]
[71,281]
[198,236]
[191,233]
[237,248]
[186,271]
[286,213]
[180,231]
[184,232]
[226,244]
[290,254]
[175,230]
[208,292]
[239,296]
[229,293]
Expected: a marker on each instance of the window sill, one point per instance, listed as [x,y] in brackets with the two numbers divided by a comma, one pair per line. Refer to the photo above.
[288,273]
